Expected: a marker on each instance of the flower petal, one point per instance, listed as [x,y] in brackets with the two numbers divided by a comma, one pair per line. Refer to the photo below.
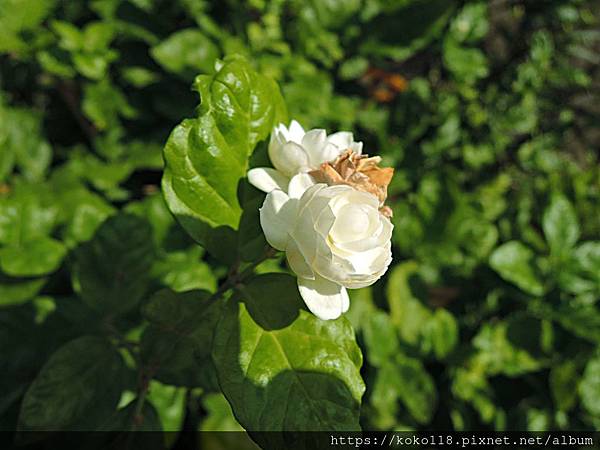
[277,216]
[300,183]
[297,261]
[325,299]
[289,158]
[345,140]
[295,132]
[342,139]
[356,147]
[266,179]
[319,148]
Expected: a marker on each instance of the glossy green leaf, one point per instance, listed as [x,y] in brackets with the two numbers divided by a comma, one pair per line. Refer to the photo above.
[561,226]
[111,272]
[178,342]
[280,367]
[515,263]
[206,157]
[71,384]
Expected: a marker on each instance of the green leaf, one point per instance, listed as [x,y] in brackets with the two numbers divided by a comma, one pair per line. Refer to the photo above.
[501,348]
[24,219]
[408,313]
[561,226]
[111,271]
[589,387]
[139,76]
[178,342]
[515,263]
[72,383]
[184,271]
[563,385]
[381,339]
[186,53]
[220,417]
[17,16]
[473,387]
[582,321]
[16,290]
[206,157]
[32,258]
[466,63]
[471,23]
[104,102]
[281,368]
[405,27]
[170,404]
[71,38]
[442,331]
[23,144]
[587,257]
[405,379]
[129,428]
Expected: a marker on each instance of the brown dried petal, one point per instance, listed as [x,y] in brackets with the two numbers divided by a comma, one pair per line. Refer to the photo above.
[359,171]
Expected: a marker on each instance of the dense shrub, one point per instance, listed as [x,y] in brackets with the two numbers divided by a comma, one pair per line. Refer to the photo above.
[487,318]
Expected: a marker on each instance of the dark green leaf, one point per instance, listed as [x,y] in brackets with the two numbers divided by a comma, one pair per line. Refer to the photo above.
[73,382]
[111,271]
[271,354]
[177,344]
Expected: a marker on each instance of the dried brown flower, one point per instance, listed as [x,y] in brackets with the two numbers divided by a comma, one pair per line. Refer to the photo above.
[359,171]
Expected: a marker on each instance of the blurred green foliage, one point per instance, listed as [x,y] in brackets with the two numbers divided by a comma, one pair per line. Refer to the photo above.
[488,318]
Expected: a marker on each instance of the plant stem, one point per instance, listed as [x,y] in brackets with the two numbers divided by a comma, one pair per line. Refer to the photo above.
[234,277]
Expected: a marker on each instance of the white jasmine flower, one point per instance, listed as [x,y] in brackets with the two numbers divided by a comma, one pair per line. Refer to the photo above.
[334,238]
[294,152]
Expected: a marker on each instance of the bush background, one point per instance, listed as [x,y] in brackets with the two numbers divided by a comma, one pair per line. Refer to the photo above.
[489,111]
